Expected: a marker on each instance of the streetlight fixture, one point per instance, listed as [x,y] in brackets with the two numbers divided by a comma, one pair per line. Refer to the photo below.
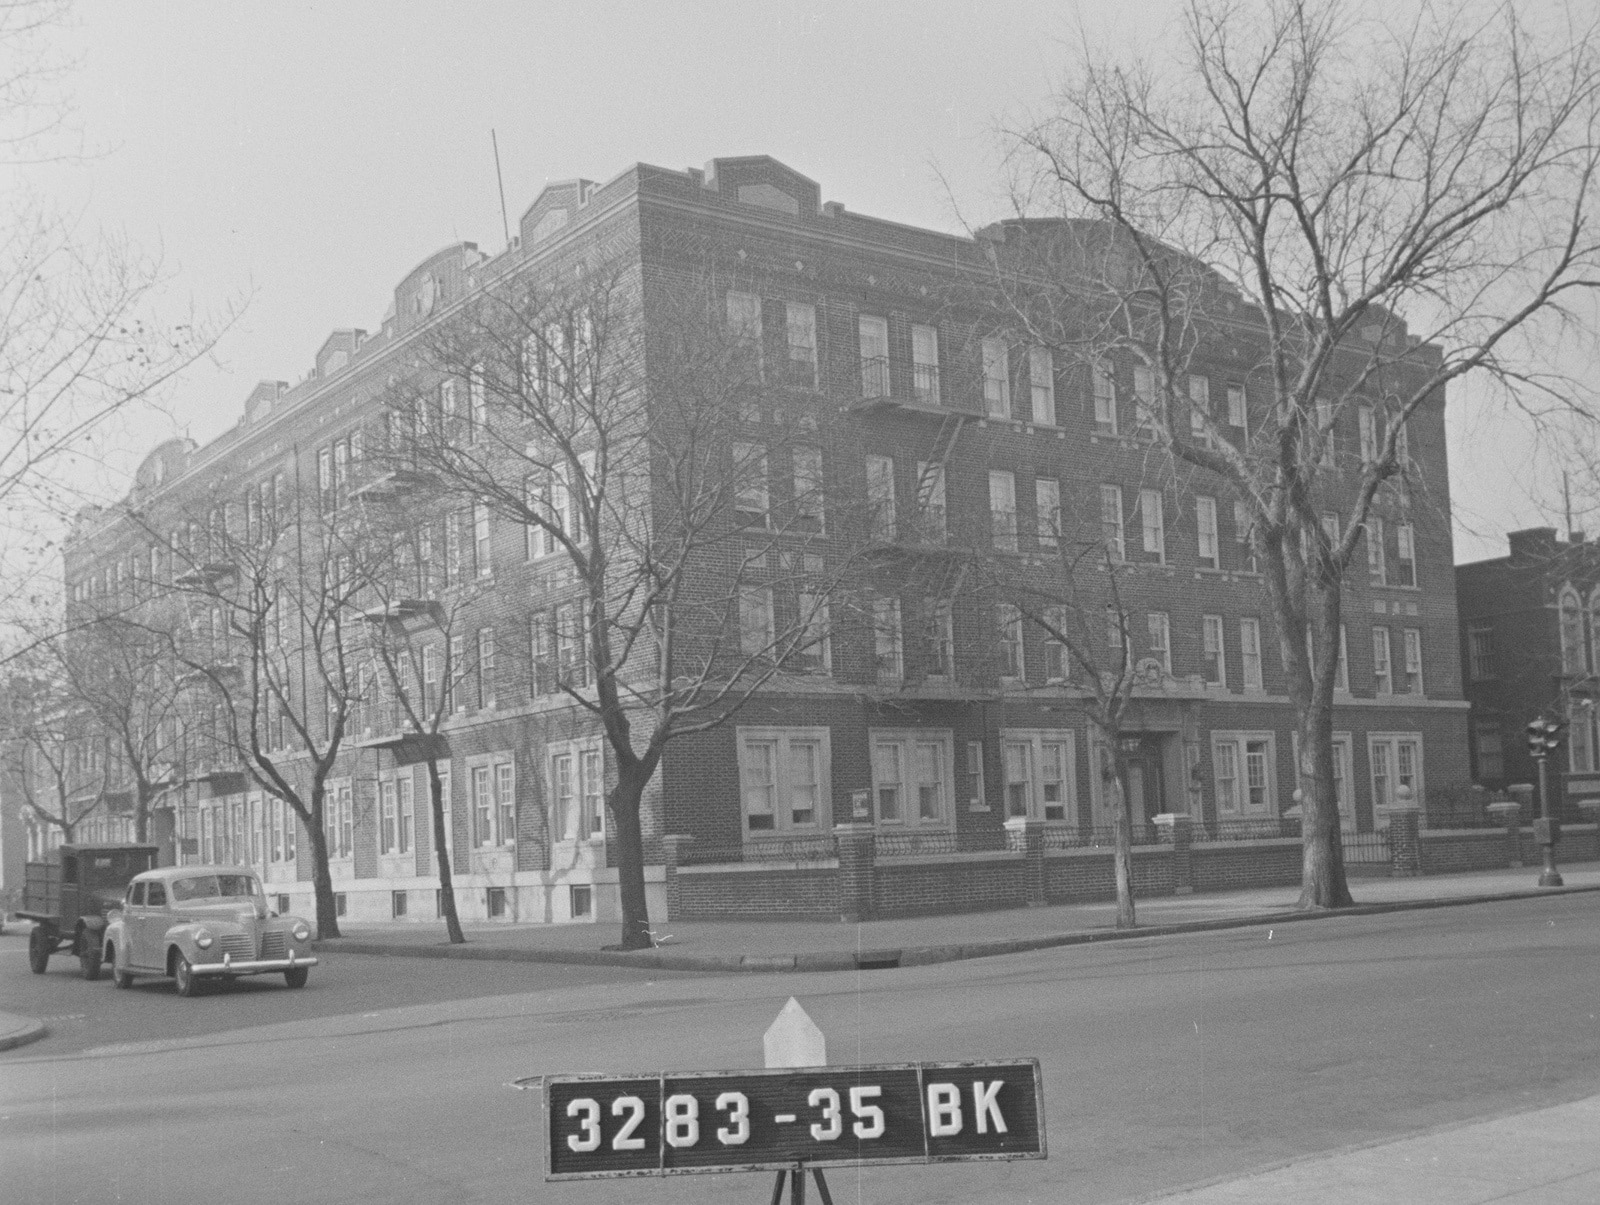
[1544,738]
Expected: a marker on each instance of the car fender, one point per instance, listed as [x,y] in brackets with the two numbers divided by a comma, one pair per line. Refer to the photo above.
[116,928]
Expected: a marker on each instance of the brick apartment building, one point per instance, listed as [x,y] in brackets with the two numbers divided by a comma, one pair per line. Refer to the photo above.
[1530,646]
[932,714]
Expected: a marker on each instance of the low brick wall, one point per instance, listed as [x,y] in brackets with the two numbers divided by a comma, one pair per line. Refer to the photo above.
[1579,843]
[1089,875]
[1446,851]
[757,890]
[923,886]
[1235,865]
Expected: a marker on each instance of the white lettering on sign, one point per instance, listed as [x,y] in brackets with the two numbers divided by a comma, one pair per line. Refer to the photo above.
[738,1105]
[944,1110]
[634,1107]
[871,1123]
[683,1120]
[832,1123]
[984,1105]
[590,1124]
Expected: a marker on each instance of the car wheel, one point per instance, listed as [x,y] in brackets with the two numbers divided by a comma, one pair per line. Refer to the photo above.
[296,976]
[89,960]
[38,950]
[183,975]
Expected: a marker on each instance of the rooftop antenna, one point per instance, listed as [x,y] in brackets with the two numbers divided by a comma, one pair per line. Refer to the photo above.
[505,223]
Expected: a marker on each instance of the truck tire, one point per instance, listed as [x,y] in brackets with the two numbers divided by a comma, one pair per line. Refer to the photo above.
[89,958]
[38,950]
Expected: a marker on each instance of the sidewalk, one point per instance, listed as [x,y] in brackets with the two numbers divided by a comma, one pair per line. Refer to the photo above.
[1545,1155]
[914,941]
[18,1031]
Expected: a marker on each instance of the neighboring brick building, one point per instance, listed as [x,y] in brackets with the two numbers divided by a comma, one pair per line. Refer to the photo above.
[928,715]
[1530,646]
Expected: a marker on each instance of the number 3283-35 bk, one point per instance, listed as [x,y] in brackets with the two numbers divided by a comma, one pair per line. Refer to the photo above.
[600,1126]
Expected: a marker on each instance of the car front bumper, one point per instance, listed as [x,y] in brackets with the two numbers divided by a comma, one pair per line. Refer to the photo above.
[255,966]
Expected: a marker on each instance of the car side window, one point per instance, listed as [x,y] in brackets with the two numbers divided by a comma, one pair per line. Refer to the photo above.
[156,895]
[135,894]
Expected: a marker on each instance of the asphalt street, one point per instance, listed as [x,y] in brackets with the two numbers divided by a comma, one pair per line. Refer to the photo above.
[1167,1061]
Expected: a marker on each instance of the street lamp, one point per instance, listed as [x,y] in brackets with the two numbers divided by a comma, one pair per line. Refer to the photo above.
[1544,738]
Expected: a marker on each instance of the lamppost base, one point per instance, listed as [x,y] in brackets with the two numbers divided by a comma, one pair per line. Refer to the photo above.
[1550,878]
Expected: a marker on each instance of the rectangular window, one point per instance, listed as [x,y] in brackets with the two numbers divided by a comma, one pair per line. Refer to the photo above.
[1244,769]
[1250,652]
[1396,759]
[1405,555]
[751,501]
[1490,752]
[1160,627]
[1480,654]
[572,658]
[974,778]
[1412,639]
[1242,528]
[1008,623]
[744,328]
[505,796]
[874,333]
[1367,430]
[1214,663]
[996,379]
[1003,509]
[480,540]
[1200,410]
[1111,528]
[1144,403]
[408,813]
[1042,384]
[1238,415]
[565,820]
[1377,565]
[925,365]
[1382,665]
[1041,774]
[1104,383]
[808,498]
[478,399]
[811,652]
[1057,659]
[388,818]
[880,499]
[938,639]
[483,810]
[1150,517]
[886,639]
[800,325]
[755,620]
[486,677]
[1205,514]
[783,779]
[888,781]
[1047,511]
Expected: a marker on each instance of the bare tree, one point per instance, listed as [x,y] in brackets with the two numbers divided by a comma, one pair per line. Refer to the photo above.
[57,762]
[271,650]
[688,578]
[1358,215]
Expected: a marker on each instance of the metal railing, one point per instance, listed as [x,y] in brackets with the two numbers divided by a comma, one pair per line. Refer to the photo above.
[925,383]
[1253,828]
[889,845]
[874,376]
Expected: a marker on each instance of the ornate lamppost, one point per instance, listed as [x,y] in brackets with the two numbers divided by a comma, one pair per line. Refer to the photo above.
[1544,738]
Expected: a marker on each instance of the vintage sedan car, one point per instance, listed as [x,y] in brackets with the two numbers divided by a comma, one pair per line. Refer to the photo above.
[192,923]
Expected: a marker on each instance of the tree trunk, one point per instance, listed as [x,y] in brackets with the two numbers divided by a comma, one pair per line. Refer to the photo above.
[624,803]
[441,853]
[322,881]
[1122,825]
[1322,878]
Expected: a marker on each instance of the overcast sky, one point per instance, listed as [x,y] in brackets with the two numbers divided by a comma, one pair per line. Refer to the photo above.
[305,156]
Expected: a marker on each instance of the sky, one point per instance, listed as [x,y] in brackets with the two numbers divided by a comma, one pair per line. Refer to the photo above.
[297,159]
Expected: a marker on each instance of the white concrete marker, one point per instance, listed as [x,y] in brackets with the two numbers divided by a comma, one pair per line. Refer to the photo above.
[794,1040]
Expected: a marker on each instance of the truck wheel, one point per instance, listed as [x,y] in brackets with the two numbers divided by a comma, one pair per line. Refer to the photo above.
[89,960]
[296,976]
[38,950]
[183,975]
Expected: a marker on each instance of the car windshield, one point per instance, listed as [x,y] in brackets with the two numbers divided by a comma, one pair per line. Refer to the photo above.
[213,886]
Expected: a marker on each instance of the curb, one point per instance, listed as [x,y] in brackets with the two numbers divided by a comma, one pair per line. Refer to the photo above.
[32,1031]
[866,960]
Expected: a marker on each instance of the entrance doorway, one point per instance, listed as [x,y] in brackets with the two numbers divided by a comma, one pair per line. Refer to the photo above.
[1146,781]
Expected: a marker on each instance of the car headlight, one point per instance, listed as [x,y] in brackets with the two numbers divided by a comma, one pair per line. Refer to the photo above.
[301,932]
[203,939]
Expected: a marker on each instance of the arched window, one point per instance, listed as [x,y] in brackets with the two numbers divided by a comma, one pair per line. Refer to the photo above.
[1574,659]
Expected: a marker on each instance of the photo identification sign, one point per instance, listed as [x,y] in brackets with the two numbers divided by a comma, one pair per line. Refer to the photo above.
[724,1121]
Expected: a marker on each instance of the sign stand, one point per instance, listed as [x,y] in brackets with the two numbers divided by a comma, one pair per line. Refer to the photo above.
[794,1040]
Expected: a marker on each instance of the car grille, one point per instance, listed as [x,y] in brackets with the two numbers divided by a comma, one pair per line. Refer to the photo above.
[275,945]
[238,945]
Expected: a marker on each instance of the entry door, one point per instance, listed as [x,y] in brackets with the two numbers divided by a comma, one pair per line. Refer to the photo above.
[1136,800]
